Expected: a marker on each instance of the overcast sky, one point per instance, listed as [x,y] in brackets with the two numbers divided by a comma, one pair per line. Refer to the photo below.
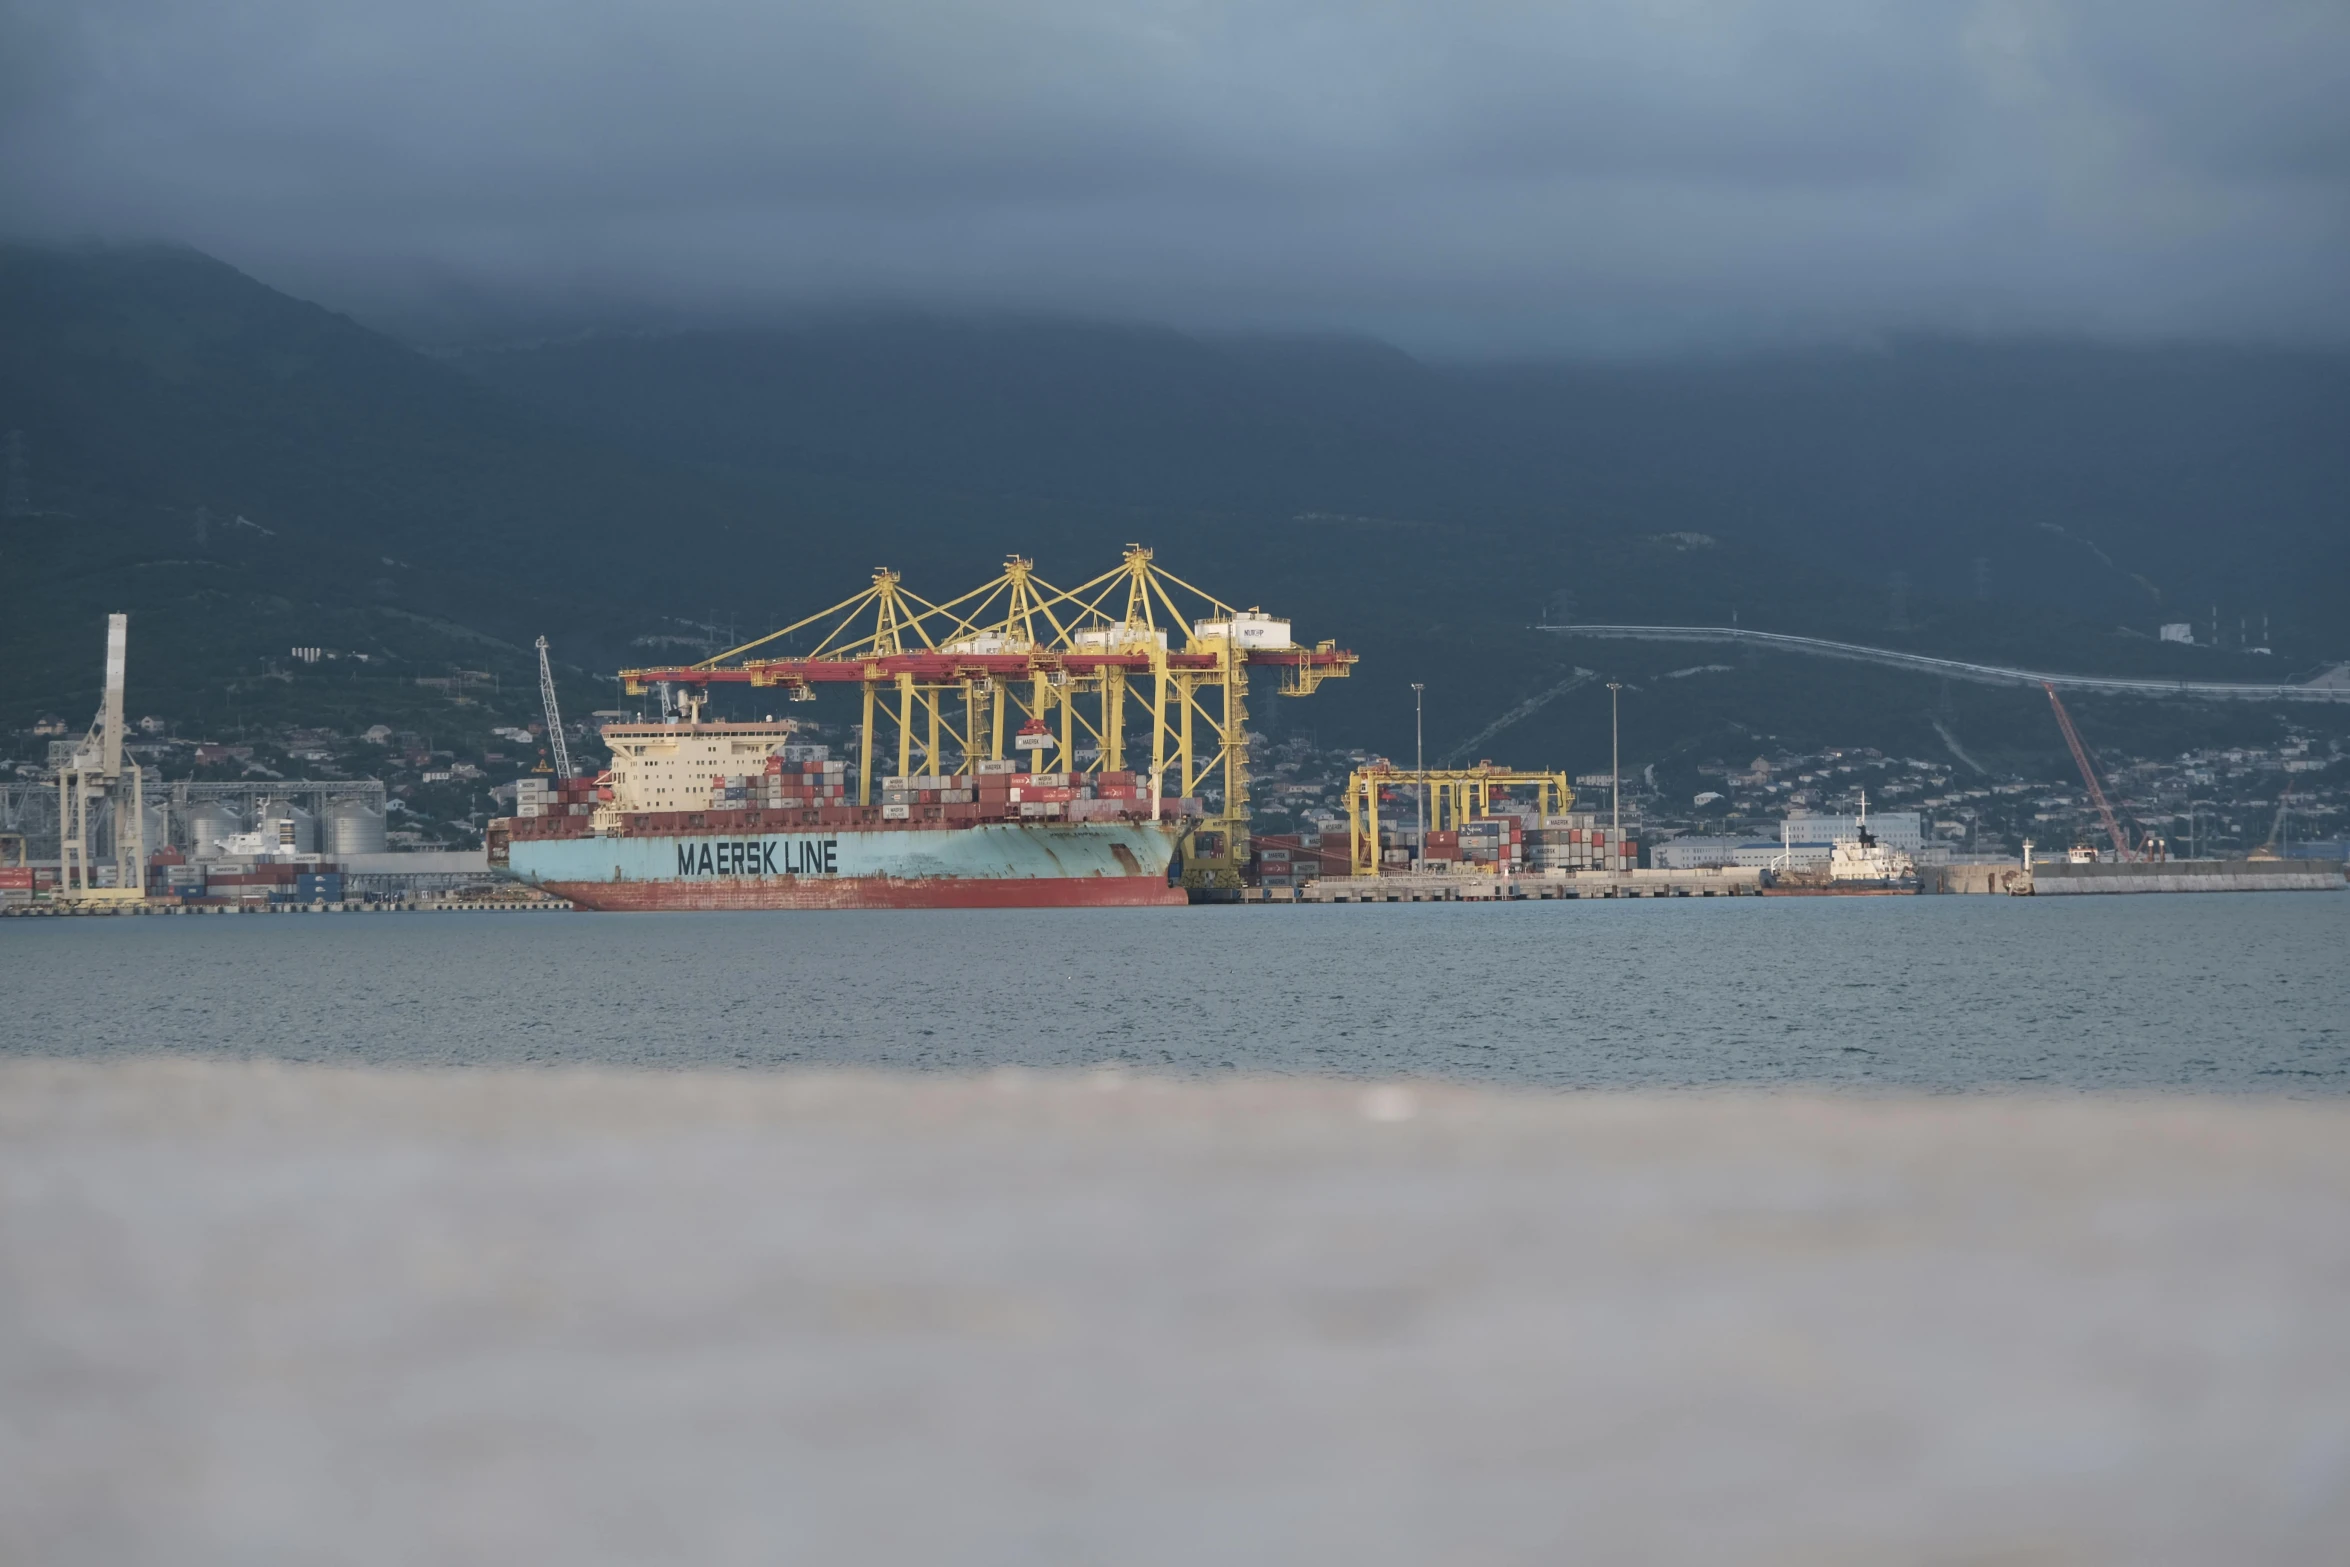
[1457,176]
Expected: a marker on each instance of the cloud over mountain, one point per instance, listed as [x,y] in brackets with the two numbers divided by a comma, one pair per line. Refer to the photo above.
[1468,176]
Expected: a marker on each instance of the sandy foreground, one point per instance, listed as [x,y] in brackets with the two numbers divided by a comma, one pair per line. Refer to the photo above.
[260,1314]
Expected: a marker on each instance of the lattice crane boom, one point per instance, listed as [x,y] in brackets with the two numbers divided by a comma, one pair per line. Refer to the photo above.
[2072,738]
[560,751]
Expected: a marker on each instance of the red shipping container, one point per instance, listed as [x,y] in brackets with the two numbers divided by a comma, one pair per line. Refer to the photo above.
[16,878]
[1059,794]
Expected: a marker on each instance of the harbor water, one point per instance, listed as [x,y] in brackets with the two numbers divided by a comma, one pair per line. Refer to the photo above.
[1998,1229]
[2223,993]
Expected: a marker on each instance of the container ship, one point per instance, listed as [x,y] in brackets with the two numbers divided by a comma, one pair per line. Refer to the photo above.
[722,815]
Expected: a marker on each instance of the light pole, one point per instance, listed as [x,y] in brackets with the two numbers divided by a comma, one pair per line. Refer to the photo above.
[1615,776]
[1419,764]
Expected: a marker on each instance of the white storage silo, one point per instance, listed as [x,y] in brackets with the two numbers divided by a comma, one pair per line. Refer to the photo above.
[353,828]
[207,824]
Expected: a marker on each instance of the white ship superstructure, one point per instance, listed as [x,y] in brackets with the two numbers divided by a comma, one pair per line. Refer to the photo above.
[1866,860]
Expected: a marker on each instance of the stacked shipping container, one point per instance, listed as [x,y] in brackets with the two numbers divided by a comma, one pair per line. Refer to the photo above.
[243,882]
[801,777]
[543,796]
[1494,845]
[1292,859]
[1576,843]
[953,799]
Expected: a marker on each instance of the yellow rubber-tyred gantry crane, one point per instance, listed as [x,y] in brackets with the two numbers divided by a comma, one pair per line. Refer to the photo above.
[1457,795]
[1063,667]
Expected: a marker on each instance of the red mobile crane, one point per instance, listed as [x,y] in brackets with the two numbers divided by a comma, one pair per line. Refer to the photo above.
[2072,737]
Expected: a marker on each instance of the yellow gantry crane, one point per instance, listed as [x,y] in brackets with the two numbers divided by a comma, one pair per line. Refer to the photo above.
[1064,669]
[1456,795]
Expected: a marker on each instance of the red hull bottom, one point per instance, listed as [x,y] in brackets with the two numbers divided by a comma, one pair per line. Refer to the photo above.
[874,892]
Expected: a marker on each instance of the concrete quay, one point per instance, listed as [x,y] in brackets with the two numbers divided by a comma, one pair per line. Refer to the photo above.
[2066,879]
[155,907]
[2061,878]
[1417,888]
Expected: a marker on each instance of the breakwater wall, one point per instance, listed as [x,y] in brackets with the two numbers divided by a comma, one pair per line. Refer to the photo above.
[2190,876]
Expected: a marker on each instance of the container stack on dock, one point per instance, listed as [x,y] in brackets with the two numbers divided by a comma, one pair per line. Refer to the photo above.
[1576,842]
[305,880]
[1503,844]
[1293,859]
[1494,843]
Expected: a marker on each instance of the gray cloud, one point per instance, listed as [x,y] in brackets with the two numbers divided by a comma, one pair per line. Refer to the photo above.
[1481,176]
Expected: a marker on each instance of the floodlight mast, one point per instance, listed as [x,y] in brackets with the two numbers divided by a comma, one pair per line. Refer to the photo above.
[555,743]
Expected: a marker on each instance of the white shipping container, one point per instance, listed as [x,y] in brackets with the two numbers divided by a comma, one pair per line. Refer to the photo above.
[897,813]
[1248,629]
[1096,639]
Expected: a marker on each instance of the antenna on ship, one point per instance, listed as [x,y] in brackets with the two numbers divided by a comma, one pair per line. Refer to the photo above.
[554,715]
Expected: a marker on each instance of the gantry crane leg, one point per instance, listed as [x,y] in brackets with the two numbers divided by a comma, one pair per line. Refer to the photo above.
[865,747]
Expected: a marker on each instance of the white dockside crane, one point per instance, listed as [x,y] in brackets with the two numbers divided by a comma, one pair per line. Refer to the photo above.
[99,801]
[555,745]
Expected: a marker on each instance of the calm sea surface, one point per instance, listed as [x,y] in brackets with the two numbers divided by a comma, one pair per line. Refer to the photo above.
[2231,993]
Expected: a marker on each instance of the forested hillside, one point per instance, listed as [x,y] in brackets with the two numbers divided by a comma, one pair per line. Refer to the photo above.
[248,472]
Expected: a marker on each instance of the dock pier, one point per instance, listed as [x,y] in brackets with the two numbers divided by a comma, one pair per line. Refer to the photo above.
[1472,888]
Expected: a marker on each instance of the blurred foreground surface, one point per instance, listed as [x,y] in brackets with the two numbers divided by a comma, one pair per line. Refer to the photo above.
[259,1314]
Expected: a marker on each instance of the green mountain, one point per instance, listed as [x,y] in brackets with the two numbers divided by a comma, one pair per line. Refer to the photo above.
[249,473]
[2123,483]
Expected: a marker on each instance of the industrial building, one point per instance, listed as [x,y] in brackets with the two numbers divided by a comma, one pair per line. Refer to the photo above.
[207,821]
[109,832]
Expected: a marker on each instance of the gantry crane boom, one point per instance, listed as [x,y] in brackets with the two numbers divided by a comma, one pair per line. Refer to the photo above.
[562,753]
[2072,738]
